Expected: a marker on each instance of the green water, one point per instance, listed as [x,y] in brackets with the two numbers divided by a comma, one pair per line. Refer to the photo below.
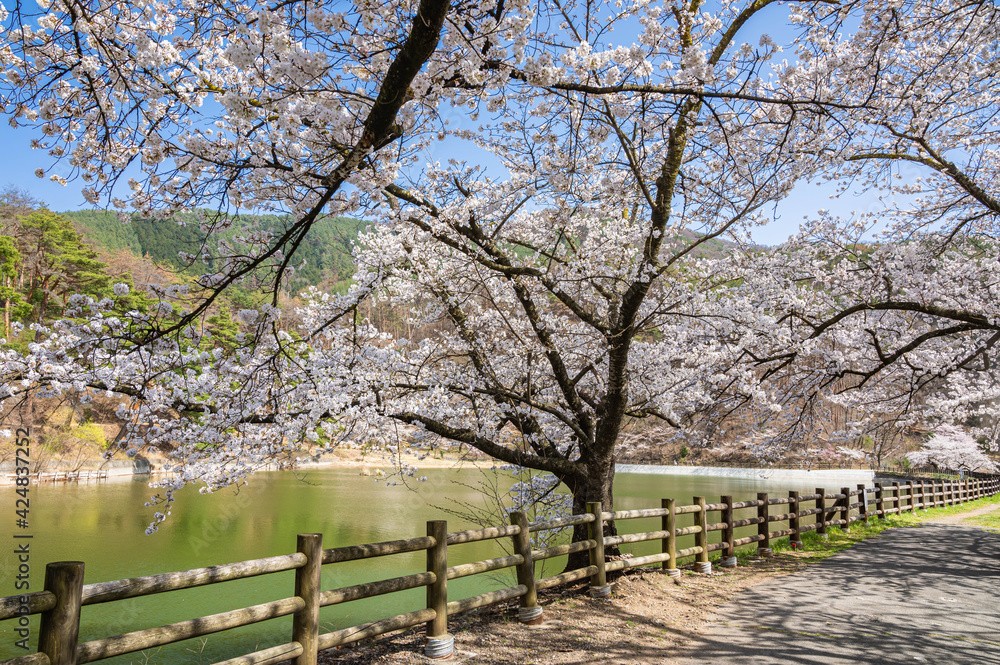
[102,525]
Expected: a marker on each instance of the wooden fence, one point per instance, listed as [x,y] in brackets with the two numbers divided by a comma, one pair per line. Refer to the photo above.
[65,593]
[59,476]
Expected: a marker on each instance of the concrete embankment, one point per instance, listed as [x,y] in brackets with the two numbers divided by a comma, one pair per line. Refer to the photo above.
[92,470]
[830,477]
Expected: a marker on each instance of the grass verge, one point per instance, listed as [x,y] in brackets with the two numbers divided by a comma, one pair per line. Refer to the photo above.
[815,547]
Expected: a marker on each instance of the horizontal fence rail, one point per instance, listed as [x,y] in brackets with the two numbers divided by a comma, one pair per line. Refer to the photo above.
[60,603]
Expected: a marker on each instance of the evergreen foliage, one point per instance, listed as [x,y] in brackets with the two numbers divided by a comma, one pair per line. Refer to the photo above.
[326,259]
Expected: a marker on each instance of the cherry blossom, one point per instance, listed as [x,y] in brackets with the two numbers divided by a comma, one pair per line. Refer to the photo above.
[951,447]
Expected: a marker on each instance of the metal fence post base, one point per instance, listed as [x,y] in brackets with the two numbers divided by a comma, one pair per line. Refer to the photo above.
[529,615]
[440,647]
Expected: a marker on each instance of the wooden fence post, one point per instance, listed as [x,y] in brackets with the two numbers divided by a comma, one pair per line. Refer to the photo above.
[909,489]
[702,564]
[439,643]
[729,553]
[599,587]
[863,500]
[821,515]
[896,499]
[529,611]
[879,501]
[845,508]
[60,626]
[669,544]
[793,507]
[305,624]
[763,528]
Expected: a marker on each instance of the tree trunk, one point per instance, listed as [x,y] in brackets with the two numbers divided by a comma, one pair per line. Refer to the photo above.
[596,484]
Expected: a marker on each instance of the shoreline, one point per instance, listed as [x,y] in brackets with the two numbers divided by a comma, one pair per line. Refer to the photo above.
[98,470]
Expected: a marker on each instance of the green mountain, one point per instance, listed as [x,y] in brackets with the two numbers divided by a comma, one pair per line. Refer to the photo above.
[324,258]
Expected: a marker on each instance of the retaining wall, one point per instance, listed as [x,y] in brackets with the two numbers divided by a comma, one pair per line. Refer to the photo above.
[820,476]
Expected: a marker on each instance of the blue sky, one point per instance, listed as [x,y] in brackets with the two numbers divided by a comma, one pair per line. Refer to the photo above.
[20,162]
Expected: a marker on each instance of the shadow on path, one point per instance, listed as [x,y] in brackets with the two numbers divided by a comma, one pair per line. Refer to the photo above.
[924,594]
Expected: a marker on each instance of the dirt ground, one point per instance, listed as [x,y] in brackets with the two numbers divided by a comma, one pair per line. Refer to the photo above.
[647,616]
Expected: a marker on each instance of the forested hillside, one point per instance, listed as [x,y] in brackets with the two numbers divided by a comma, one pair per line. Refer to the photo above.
[46,257]
[325,260]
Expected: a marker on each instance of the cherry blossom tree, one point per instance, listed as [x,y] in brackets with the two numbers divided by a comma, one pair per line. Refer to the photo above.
[564,288]
[901,329]
[951,447]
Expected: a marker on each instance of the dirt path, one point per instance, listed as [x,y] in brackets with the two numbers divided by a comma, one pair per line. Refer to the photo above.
[959,518]
[646,620]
